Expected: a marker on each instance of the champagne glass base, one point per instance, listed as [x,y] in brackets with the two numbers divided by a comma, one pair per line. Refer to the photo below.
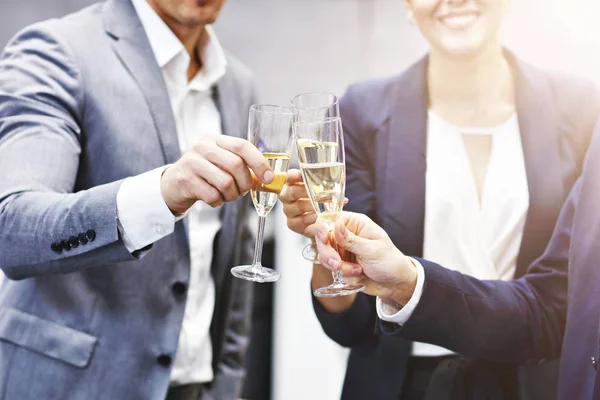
[255,273]
[338,289]
[309,253]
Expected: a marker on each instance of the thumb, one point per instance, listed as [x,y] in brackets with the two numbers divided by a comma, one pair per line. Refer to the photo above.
[349,240]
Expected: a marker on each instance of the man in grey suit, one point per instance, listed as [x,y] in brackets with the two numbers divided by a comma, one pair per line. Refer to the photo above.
[121,208]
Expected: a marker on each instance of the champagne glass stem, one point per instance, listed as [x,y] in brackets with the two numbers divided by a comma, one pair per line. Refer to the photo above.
[337,275]
[258,246]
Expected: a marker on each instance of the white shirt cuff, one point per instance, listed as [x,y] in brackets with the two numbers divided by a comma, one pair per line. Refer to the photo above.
[143,215]
[392,312]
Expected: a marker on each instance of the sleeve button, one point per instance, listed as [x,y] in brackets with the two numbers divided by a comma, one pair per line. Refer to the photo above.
[73,242]
[90,235]
[82,239]
[65,245]
[164,360]
[179,288]
[56,248]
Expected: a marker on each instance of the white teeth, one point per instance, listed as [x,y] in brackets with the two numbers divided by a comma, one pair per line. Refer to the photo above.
[459,21]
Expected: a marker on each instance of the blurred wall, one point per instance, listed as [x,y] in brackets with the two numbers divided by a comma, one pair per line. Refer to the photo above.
[301,45]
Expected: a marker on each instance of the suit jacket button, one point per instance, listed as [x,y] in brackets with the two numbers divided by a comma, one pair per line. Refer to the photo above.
[56,248]
[73,241]
[65,245]
[164,360]
[179,288]
[82,239]
[594,362]
[90,235]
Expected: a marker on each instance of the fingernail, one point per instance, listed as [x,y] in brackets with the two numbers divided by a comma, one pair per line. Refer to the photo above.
[356,271]
[268,176]
[333,263]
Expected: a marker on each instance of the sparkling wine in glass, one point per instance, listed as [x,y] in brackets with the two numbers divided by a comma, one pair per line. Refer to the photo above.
[311,107]
[320,146]
[270,130]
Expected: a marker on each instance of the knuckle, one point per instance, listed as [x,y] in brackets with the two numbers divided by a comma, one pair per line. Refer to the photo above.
[226,183]
[187,162]
[307,207]
[212,196]
[293,225]
[209,153]
[285,199]
[199,147]
[182,179]
[308,218]
[237,164]
[245,186]
[216,204]
[238,146]
[300,192]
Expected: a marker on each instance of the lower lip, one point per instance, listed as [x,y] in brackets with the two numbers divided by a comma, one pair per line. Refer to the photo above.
[460,22]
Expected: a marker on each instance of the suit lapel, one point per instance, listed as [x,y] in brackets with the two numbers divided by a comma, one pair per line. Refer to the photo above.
[133,48]
[404,177]
[540,137]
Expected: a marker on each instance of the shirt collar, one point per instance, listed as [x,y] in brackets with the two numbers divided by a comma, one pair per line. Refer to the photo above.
[167,47]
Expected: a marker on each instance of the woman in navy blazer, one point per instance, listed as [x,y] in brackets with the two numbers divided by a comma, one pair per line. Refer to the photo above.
[385,127]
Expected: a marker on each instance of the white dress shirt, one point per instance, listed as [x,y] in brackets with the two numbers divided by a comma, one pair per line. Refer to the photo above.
[477,238]
[143,215]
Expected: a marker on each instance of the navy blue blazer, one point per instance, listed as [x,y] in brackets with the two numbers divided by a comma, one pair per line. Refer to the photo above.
[385,125]
[524,320]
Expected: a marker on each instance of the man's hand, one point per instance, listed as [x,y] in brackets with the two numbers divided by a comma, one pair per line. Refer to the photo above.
[214,171]
[384,270]
[297,207]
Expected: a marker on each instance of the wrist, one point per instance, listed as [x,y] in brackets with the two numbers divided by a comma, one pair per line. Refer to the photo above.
[402,290]
[178,209]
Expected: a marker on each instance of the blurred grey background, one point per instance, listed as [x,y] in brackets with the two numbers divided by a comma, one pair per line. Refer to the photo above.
[295,46]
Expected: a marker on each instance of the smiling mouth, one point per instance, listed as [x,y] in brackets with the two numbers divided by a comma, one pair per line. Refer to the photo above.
[459,21]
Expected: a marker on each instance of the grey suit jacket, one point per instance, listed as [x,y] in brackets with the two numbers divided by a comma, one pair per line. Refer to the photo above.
[82,106]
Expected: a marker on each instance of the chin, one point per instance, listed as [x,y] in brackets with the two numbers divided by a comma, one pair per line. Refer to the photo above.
[462,47]
[198,14]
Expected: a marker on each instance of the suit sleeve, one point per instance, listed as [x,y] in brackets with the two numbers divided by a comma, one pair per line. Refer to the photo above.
[356,325]
[520,321]
[41,111]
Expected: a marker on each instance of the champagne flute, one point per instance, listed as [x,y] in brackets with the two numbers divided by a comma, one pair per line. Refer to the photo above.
[314,106]
[320,147]
[270,130]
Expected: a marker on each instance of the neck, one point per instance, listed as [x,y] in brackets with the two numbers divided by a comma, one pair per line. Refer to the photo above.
[474,91]
[193,37]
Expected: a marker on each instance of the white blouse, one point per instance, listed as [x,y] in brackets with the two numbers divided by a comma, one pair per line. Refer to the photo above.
[477,238]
